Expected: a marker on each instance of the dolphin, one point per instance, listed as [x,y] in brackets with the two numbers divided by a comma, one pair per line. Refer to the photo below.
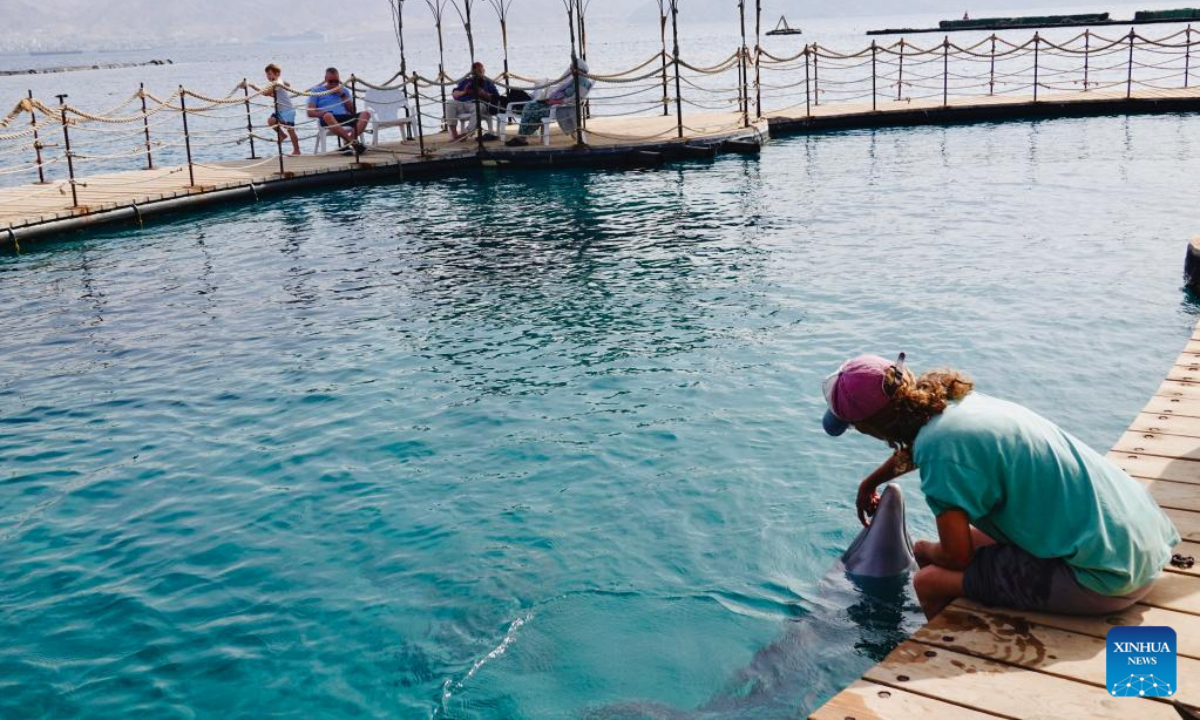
[883,548]
[862,605]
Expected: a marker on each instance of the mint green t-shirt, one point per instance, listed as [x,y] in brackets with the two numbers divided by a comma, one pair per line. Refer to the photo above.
[1023,480]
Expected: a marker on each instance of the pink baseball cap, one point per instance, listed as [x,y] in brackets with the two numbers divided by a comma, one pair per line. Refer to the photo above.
[857,391]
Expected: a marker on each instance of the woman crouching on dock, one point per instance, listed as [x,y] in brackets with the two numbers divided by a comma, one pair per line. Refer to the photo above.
[1028,516]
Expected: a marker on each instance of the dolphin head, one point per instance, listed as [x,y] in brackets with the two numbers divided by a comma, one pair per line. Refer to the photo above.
[883,548]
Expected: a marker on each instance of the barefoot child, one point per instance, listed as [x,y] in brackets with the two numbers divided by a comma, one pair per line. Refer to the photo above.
[285,113]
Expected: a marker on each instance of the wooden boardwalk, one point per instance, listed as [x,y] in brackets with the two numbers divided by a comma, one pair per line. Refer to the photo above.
[971,662]
[36,210]
[29,210]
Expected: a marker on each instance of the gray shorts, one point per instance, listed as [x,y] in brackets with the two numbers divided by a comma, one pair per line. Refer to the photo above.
[1007,576]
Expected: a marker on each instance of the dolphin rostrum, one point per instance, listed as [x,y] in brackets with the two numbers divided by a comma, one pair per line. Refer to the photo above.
[883,548]
[862,606]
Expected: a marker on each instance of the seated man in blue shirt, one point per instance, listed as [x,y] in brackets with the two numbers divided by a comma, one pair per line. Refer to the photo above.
[335,111]
[475,86]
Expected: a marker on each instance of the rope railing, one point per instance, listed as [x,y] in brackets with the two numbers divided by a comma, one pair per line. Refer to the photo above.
[195,129]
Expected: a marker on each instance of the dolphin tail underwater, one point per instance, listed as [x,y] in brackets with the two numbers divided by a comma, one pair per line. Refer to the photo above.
[871,613]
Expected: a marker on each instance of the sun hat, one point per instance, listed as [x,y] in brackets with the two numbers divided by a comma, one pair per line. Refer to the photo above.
[857,391]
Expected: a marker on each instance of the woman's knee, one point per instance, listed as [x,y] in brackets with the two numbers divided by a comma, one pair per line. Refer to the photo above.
[936,581]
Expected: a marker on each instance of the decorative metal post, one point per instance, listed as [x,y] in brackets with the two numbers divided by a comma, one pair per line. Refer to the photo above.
[37,144]
[249,119]
[744,80]
[807,88]
[463,8]
[146,126]
[1129,76]
[874,76]
[62,104]
[278,131]
[1037,45]
[420,118]
[1187,60]
[502,7]
[398,18]
[992,69]
[816,75]
[187,137]
[1087,53]
[354,113]
[758,57]
[900,77]
[662,32]
[438,8]
[946,71]
[675,51]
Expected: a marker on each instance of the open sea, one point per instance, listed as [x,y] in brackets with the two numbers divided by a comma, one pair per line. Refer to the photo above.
[536,444]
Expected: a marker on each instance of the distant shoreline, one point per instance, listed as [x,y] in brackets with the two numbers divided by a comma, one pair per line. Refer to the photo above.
[74,68]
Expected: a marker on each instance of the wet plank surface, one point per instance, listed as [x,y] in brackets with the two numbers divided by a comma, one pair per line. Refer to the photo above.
[1005,663]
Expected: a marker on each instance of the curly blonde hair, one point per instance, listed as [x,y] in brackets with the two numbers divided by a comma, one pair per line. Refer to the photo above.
[918,399]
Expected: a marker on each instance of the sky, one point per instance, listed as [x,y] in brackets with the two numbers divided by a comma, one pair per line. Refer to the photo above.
[31,24]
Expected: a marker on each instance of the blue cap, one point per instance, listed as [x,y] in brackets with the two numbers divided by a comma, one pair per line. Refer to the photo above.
[834,425]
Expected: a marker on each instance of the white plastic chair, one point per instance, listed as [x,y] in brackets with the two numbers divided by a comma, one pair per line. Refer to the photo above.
[512,115]
[464,119]
[386,108]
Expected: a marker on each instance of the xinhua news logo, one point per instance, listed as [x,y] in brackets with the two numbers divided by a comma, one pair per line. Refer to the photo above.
[1141,662]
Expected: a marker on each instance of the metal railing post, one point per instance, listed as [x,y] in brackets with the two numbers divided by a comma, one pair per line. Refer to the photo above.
[249,119]
[1087,58]
[992,69]
[37,144]
[1129,76]
[816,75]
[807,92]
[420,118]
[946,71]
[744,65]
[758,58]
[187,137]
[146,126]
[874,78]
[1187,59]
[662,32]
[1037,46]
[678,81]
[62,104]
[278,130]
[900,77]
[354,113]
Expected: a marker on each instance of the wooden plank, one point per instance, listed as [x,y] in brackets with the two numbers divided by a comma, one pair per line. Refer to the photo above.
[1167,423]
[1159,405]
[1173,495]
[1188,392]
[1186,522]
[1162,445]
[1173,591]
[870,701]
[1184,374]
[1008,637]
[1187,626]
[1153,466]
[1003,689]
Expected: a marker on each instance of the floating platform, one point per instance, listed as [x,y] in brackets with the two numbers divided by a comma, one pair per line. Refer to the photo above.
[976,664]
[32,211]
[1048,21]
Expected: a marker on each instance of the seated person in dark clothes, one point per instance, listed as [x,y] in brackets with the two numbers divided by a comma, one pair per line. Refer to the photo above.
[475,86]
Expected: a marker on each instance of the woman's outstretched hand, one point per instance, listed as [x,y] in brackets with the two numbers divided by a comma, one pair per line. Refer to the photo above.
[867,501]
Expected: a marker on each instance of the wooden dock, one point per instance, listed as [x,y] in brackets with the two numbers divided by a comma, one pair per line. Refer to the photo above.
[32,211]
[975,663]
[37,210]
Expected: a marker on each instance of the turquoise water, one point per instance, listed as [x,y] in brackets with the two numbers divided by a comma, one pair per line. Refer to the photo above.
[539,445]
